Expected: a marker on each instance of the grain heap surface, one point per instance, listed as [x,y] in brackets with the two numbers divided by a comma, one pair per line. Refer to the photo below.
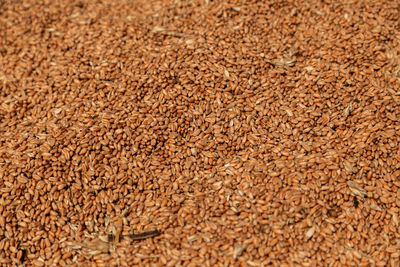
[249,133]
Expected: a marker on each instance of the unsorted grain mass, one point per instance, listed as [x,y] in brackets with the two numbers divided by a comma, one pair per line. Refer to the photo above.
[219,133]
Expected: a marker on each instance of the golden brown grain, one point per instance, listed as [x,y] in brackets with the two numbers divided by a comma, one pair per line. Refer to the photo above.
[213,133]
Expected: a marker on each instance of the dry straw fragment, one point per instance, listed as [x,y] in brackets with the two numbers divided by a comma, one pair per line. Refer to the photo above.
[237,251]
[94,246]
[374,206]
[356,189]
[283,62]
[349,167]
[395,219]
[226,73]
[348,110]
[252,263]
[310,232]
[165,31]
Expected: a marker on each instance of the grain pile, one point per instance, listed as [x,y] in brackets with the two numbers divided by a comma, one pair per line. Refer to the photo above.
[247,133]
